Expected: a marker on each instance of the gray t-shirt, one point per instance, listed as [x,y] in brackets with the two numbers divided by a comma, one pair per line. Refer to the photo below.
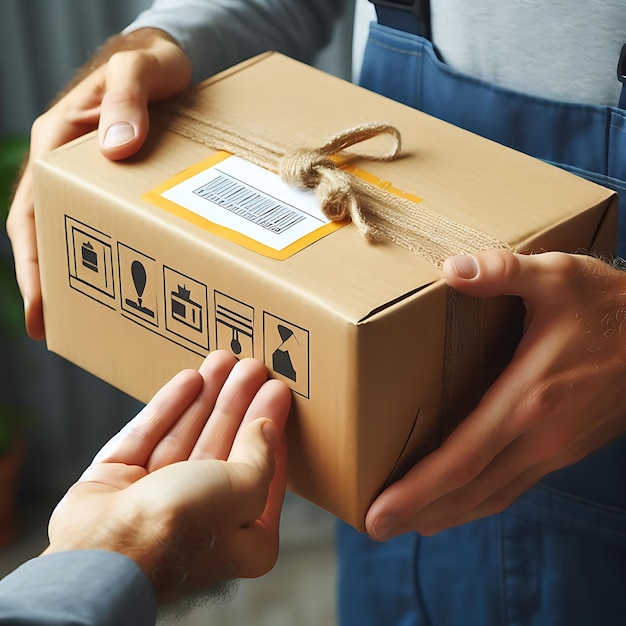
[563,49]
[219,33]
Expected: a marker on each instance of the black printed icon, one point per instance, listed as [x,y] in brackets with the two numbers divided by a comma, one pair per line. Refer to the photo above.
[89,256]
[138,273]
[185,310]
[90,261]
[286,352]
[235,344]
[235,325]
[281,360]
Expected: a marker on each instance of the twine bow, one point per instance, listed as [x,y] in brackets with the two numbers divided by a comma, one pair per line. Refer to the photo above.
[377,212]
[342,195]
[334,188]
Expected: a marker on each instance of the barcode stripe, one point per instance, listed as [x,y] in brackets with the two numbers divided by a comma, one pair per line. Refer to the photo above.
[250,204]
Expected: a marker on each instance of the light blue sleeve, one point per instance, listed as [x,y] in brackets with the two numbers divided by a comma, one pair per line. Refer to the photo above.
[78,588]
[219,33]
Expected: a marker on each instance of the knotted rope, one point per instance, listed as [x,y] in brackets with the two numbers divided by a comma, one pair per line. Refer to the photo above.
[335,189]
[378,213]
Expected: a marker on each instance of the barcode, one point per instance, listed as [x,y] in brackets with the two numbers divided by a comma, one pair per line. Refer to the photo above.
[250,204]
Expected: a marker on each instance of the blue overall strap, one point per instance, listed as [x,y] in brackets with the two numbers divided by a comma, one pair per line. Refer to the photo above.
[557,555]
[413,16]
[410,16]
[585,139]
[621,76]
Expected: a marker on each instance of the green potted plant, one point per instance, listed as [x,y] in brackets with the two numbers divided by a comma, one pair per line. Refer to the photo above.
[12,418]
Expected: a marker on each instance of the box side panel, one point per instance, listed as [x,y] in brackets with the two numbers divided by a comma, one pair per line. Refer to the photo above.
[419,329]
[323,427]
[401,364]
[604,242]
[583,232]
[105,289]
[133,302]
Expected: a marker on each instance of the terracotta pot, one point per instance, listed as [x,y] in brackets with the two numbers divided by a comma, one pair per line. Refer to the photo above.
[10,465]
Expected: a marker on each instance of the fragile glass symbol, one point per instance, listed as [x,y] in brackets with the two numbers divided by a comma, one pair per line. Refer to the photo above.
[184,309]
[138,272]
[281,360]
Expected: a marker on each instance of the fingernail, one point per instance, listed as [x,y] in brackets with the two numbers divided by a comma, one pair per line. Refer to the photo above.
[383,526]
[118,135]
[270,432]
[465,266]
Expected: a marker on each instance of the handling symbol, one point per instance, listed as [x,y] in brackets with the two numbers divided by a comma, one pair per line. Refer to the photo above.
[89,256]
[281,360]
[235,344]
[138,272]
[185,310]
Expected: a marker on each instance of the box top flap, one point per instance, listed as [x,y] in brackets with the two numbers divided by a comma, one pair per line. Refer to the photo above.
[495,190]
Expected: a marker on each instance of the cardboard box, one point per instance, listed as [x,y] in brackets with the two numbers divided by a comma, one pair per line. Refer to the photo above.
[136,287]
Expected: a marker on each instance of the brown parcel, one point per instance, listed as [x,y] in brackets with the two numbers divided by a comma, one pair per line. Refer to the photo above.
[368,319]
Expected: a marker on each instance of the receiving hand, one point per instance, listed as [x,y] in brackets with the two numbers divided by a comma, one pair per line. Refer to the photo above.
[559,399]
[192,488]
[130,71]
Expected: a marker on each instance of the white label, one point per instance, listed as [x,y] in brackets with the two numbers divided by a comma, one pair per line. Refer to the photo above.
[250,200]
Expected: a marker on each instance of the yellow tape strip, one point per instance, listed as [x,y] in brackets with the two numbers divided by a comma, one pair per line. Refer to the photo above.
[155,197]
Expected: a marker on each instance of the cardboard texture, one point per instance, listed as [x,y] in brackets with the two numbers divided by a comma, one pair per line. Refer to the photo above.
[134,293]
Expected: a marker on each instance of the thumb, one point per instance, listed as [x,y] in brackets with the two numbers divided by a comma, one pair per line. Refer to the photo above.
[133,79]
[256,445]
[501,272]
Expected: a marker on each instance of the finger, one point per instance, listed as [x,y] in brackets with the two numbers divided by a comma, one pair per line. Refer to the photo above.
[470,448]
[123,123]
[133,78]
[235,396]
[260,536]
[180,440]
[21,231]
[270,519]
[135,443]
[260,532]
[256,447]
[272,401]
[515,469]
[500,272]
[72,116]
[495,503]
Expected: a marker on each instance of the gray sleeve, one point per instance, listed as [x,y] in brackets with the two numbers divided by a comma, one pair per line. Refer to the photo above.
[219,33]
[78,588]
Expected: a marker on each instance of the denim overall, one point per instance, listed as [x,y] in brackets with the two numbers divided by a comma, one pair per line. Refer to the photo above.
[557,556]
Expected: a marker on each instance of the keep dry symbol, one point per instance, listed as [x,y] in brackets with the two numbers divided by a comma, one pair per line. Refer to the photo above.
[281,360]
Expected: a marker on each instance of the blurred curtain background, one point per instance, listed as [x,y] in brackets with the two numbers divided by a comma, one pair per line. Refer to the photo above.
[42,43]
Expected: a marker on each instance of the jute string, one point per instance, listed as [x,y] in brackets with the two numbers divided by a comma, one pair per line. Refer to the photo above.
[378,213]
